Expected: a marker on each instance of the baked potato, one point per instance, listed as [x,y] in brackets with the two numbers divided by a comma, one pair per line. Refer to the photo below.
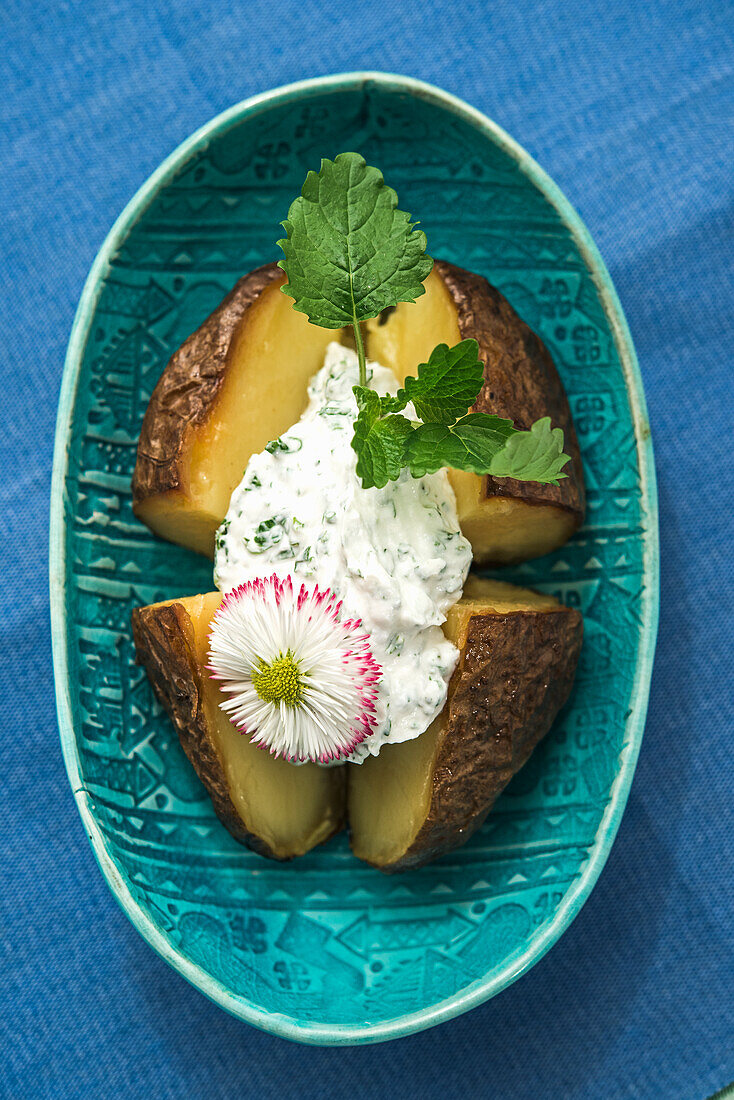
[421,799]
[505,520]
[239,381]
[215,406]
[275,808]
[413,802]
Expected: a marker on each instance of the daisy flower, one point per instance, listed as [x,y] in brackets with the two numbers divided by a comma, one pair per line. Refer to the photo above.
[301,680]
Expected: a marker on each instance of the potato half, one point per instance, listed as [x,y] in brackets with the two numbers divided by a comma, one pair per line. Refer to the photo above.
[421,799]
[505,520]
[413,802]
[276,808]
[239,381]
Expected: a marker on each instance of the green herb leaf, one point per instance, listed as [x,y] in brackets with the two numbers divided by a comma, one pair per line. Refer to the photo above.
[469,444]
[488,445]
[536,455]
[378,440]
[349,252]
[447,385]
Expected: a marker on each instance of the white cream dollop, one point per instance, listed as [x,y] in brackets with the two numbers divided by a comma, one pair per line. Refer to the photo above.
[395,556]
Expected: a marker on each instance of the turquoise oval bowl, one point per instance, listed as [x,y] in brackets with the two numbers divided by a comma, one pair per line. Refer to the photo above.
[326,950]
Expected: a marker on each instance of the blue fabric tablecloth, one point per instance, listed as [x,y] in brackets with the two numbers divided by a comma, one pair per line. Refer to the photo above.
[629,106]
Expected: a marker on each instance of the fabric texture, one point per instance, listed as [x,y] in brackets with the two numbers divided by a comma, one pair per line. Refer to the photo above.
[629,107]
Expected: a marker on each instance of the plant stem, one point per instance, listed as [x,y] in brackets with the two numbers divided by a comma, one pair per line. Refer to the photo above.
[360,354]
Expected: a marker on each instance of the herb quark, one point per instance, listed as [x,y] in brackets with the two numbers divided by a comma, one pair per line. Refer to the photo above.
[395,555]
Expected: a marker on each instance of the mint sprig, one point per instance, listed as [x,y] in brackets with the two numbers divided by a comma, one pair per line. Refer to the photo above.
[349,251]
[349,254]
[488,445]
[386,442]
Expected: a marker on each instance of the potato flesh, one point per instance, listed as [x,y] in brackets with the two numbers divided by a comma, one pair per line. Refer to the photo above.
[486,594]
[409,334]
[503,530]
[390,794]
[173,516]
[500,529]
[291,808]
[275,354]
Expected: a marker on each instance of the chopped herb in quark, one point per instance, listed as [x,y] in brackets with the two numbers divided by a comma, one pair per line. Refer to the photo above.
[305,561]
[266,535]
[219,537]
[288,446]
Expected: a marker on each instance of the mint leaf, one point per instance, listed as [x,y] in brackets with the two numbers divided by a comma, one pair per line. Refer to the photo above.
[469,444]
[349,252]
[536,455]
[378,440]
[446,385]
[488,445]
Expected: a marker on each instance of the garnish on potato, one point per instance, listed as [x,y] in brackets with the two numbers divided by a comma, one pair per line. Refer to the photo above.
[350,254]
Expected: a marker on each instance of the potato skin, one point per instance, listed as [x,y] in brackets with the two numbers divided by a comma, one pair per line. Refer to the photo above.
[516,673]
[521,383]
[188,387]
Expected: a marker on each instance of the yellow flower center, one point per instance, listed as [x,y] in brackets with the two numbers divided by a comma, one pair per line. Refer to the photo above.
[279,681]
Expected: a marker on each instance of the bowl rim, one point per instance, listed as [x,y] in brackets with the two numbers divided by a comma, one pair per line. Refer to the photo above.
[516,964]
